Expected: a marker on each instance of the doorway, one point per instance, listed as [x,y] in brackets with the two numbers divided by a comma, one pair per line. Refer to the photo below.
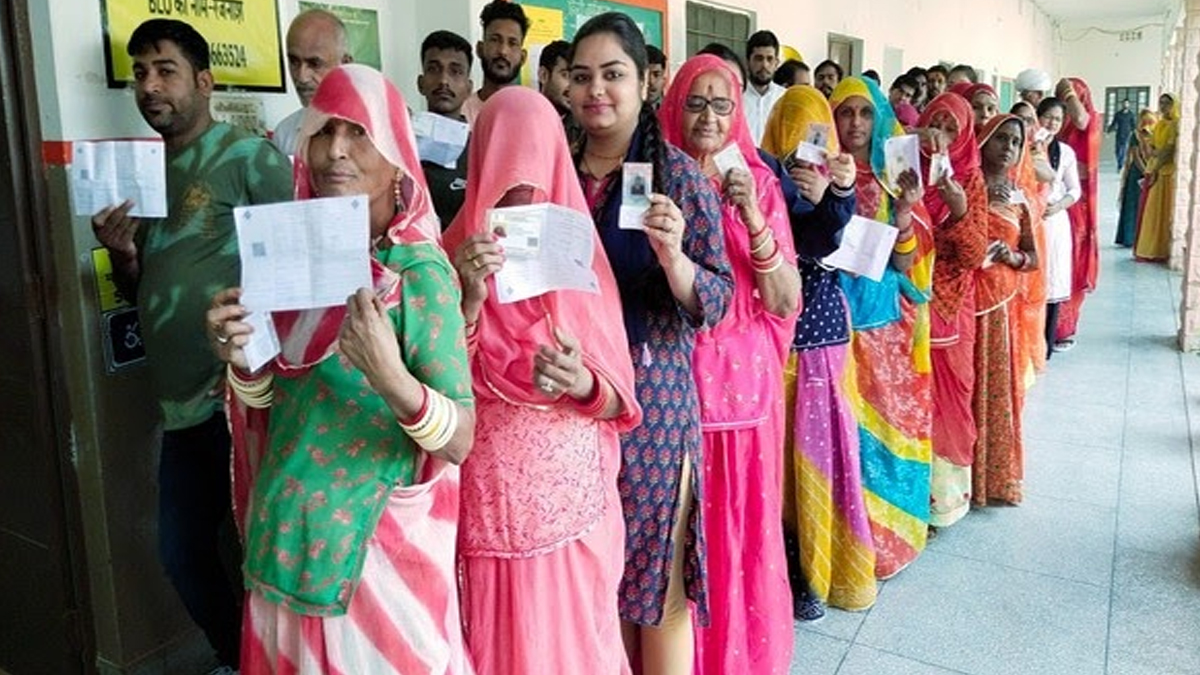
[1139,97]
[45,622]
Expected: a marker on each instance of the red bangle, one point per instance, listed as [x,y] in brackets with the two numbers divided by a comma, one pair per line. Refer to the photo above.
[596,401]
[420,413]
[762,263]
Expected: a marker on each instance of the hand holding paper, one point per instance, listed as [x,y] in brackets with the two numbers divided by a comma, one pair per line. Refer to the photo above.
[548,247]
[304,255]
[106,173]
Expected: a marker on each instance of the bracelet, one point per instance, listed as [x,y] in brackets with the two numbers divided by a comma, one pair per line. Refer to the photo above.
[256,393]
[765,242]
[436,425]
[756,234]
[907,246]
[596,402]
[776,264]
[422,411]
[839,191]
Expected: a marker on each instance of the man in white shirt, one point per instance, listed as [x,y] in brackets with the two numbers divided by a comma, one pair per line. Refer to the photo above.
[316,44]
[762,58]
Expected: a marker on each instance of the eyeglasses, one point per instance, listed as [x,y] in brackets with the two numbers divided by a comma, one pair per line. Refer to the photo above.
[720,106]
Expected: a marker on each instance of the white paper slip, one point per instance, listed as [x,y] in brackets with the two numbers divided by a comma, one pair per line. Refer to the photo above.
[866,248]
[901,154]
[264,342]
[636,185]
[1017,196]
[549,248]
[440,140]
[304,255]
[1042,135]
[730,158]
[810,153]
[106,173]
[939,166]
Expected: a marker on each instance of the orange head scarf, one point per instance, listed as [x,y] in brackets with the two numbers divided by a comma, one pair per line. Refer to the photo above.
[517,141]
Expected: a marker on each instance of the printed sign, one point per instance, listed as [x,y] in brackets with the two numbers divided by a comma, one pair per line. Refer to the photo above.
[123,346]
[243,38]
[108,295]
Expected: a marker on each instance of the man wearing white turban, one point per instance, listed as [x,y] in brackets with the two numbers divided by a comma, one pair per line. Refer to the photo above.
[1032,85]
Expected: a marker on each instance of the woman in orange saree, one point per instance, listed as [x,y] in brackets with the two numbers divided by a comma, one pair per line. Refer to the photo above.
[998,469]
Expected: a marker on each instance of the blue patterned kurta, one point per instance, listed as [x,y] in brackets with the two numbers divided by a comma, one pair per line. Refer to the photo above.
[653,454]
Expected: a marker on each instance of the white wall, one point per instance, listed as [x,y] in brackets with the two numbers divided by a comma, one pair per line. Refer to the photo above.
[1001,37]
[1092,50]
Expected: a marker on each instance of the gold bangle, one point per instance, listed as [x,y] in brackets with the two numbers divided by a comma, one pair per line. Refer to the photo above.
[907,246]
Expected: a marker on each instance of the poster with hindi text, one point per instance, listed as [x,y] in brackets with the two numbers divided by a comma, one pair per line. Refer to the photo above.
[245,49]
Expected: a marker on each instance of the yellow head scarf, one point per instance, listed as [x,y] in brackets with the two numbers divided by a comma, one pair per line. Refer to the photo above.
[799,107]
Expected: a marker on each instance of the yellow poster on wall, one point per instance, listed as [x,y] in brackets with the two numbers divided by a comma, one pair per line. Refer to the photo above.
[545,26]
[242,35]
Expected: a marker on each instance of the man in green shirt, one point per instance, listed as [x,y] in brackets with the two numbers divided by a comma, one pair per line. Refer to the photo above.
[175,265]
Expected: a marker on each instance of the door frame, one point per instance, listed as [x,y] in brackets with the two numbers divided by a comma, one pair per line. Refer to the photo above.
[35,254]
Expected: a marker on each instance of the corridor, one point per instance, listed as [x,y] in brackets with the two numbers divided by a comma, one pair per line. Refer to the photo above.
[1099,570]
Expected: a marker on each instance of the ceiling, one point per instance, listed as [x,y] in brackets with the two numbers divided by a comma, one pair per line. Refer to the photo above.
[1074,10]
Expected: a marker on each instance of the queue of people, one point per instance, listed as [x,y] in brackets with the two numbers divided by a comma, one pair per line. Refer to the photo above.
[659,476]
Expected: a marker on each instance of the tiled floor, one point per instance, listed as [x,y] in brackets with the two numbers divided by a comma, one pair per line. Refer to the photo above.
[1099,570]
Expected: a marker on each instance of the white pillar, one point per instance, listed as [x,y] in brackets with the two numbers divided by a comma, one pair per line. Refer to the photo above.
[1186,248]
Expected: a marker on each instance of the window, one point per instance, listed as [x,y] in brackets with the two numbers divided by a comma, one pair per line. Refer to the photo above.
[1139,97]
[707,24]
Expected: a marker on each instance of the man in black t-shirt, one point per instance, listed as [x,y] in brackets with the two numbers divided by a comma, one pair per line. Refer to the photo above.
[445,82]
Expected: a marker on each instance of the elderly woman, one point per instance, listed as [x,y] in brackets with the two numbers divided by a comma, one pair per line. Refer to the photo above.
[346,445]
[821,456]
[889,318]
[958,209]
[738,366]
[674,280]
[542,534]
[998,468]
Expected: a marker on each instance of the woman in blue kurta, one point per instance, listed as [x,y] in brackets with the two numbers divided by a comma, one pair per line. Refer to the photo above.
[674,279]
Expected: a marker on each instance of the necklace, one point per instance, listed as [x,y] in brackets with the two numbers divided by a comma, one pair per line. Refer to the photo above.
[587,166]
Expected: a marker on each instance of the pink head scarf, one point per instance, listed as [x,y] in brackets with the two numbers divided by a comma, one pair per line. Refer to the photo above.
[361,95]
[748,330]
[518,141]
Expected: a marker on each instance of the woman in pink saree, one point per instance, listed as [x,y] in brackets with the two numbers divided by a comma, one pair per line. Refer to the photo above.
[541,540]
[738,366]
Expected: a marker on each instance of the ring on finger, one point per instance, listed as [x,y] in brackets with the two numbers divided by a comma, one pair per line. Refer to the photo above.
[475,261]
[222,339]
